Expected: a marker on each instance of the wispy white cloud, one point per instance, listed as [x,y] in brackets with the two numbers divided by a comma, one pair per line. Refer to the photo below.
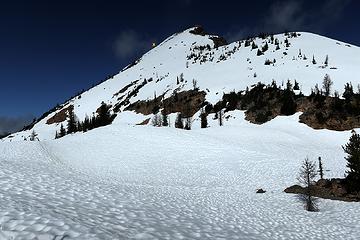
[286,15]
[298,15]
[130,43]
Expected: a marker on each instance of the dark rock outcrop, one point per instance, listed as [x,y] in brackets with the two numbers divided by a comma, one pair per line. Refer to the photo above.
[335,189]
[60,116]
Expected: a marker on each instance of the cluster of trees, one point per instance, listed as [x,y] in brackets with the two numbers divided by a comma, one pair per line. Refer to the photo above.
[103,118]
[326,87]
[185,122]
[160,120]
[309,172]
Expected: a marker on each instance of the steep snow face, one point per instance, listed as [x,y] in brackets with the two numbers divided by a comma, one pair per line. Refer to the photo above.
[126,182]
[218,70]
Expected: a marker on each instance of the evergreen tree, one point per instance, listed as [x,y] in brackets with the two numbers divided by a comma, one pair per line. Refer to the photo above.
[62,131]
[296,85]
[93,122]
[156,120]
[194,82]
[188,122]
[203,117]
[56,134]
[71,123]
[165,121]
[259,52]
[289,86]
[265,47]
[352,149]
[86,124]
[273,84]
[317,90]
[79,126]
[321,170]
[104,116]
[288,103]
[326,60]
[179,121]
[253,45]
[313,60]
[220,116]
[307,177]
[327,83]
[33,136]
[349,92]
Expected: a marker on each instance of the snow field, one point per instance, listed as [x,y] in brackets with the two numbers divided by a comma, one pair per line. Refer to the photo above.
[141,182]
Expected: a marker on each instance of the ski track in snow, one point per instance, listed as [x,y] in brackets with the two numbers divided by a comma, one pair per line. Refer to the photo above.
[164,183]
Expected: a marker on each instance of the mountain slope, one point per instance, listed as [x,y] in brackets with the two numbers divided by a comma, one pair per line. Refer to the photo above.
[124,181]
[217,69]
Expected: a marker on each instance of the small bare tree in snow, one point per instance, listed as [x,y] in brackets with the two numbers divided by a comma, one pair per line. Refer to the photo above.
[306,178]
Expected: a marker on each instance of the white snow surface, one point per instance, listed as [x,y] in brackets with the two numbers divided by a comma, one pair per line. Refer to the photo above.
[141,182]
[166,62]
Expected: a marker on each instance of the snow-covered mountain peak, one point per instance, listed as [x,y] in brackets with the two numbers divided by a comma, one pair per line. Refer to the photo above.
[193,59]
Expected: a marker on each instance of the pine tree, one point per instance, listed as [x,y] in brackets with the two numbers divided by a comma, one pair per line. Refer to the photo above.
[326,60]
[62,131]
[313,60]
[289,86]
[203,117]
[56,134]
[307,173]
[296,85]
[349,92]
[71,124]
[254,46]
[104,117]
[265,47]
[165,121]
[156,121]
[33,136]
[327,83]
[179,121]
[352,149]
[188,122]
[307,177]
[321,170]
[194,82]
[79,126]
[288,103]
[273,84]
[86,124]
[220,116]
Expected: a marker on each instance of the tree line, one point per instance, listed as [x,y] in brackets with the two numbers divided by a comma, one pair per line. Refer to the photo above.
[104,117]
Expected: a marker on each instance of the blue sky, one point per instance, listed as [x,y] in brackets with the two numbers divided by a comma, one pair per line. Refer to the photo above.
[50,50]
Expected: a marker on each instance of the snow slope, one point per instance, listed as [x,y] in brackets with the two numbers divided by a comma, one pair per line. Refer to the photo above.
[166,62]
[141,182]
